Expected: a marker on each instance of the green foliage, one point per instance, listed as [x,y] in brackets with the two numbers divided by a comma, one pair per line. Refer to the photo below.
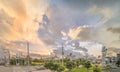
[54,66]
[78,62]
[83,61]
[38,60]
[21,61]
[87,64]
[82,69]
[13,61]
[96,69]
[61,68]
[66,60]
[118,63]
[107,68]
[48,65]
[70,65]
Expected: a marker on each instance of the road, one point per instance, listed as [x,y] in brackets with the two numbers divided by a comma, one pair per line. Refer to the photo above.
[23,69]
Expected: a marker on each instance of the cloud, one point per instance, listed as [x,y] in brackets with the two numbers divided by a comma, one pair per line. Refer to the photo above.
[6,23]
[83,49]
[82,33]
[76,24]
[17,7]
[86,3]
[114,29]
[57,21]
[105,13]
[16,25]
[10,12]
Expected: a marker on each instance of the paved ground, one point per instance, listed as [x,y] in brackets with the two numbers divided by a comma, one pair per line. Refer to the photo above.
[37,69]
[23,69]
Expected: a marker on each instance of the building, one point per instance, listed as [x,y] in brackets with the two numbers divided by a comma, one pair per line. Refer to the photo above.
[118,56]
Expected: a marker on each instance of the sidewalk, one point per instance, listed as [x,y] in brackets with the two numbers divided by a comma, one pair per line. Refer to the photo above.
[23,69]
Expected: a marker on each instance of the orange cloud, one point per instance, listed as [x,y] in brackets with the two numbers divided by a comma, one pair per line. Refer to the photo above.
[16,24]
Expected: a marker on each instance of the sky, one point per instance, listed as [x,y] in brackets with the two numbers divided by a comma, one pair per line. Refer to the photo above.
[46,24]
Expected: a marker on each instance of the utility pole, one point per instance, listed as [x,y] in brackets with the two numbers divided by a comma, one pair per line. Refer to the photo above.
[7,53]
[9,57]
[28,56]
[62,53]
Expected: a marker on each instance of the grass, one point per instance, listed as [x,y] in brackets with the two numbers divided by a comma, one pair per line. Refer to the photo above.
[36,63]
[82,69]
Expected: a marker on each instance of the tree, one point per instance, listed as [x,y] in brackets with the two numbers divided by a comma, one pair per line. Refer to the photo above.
[118,63]
[87,65]
[96,69]
[38,60]
[61,68]
[66,60]
[83,61]
[48,65]
[107,68]
[54,66]
[21,61]
[70,65]
[13,61]
[78,62]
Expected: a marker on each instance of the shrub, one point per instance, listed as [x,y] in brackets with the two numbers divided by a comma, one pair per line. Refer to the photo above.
[61,68]
[118,63]
[96,69]
[70,65]
[54,66]
[87,64]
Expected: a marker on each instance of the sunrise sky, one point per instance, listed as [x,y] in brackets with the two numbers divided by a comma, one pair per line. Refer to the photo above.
[45,24]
